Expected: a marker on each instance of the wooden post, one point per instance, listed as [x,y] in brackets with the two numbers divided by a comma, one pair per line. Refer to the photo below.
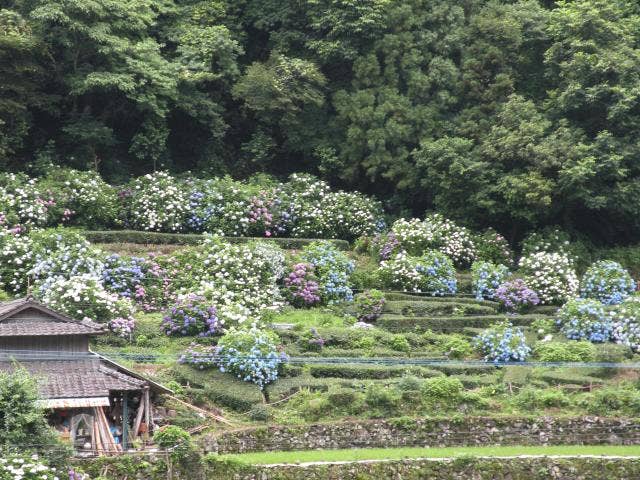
[125,420]
[147,408]
[136,424]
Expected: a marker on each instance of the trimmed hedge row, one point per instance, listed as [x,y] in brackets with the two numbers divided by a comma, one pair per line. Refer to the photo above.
[392,295]
[366,372]
[429,308]
[399,324]
[155,238]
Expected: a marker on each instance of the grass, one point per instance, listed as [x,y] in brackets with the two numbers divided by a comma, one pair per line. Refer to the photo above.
[350,455]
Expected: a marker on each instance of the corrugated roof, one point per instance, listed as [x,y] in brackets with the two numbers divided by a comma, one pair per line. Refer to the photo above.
[76,378]
[55,323]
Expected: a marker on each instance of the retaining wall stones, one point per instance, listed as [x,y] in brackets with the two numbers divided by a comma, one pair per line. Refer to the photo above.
[470,431]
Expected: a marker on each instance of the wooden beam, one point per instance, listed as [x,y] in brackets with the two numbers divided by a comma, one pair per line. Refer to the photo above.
[136,424]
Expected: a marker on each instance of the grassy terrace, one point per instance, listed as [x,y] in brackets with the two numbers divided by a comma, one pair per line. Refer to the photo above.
[359,454]
[352,455]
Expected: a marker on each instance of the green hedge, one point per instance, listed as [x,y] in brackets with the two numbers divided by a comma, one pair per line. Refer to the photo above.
[429,308]
[365,372]
[392,295]
[155,238]
[398,324]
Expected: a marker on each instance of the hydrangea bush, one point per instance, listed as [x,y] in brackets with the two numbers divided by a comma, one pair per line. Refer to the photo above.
[84,296]
[251,355]
[369,305]
[21,467]
[192,315]
[502,343]
[625,320]
[516,296]
[584,319]
[16,260]
[157,202]
[123,327]
[493,247]
[486,277]
[301,289]
[23,202]
[608,282]
[550,275]
[432,273]
[332,268]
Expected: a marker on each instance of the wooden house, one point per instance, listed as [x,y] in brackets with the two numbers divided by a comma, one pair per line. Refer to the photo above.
[99,405]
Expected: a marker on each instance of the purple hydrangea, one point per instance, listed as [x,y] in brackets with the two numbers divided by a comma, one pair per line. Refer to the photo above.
[516,296]
[301,290]
[192,315]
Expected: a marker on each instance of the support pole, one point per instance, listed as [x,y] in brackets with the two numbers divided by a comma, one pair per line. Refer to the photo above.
[125,420]
[147,409]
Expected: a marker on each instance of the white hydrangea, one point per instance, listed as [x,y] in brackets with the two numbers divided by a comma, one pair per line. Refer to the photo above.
[550,275]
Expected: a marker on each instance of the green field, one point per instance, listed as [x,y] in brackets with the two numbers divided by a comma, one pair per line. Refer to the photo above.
[350,455]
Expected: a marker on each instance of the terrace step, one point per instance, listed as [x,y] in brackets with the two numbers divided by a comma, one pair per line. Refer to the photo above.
[393,295]
[435,308]
[401,324]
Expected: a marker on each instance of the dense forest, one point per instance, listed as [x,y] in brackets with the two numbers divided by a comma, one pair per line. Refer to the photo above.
[515,114]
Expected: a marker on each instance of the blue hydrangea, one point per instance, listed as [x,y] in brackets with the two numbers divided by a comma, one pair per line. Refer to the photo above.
[502,343]
[608,282]
[486,277]
[584,319]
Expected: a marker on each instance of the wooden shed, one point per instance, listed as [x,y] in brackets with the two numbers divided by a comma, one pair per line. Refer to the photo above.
[98,404]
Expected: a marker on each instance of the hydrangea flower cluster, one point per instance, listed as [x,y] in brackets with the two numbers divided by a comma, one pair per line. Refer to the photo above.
[157,202]
[332,268]
[16,259]
[550,241]
[240,282]
[26,468]
[502,343]
[550,275]
[625,319]
[192,315]
[272,256]
[83,296]
[369,305]
[584,319]
[123,327]
[516,296]
[302,291]
[251,355]
[433,273]
[486,277]
[22,201]
[608,282]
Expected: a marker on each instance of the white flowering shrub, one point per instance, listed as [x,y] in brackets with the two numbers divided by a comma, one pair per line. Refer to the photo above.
[550,275]
[22,201]
[21,467]
[608,282]
[550,241]
[433,272]
[16,260]
[63,253]
[625,322]
[241,283]
[486,277]
[157,202]
[414,236]
[272,256]
[83,296]
[81,198]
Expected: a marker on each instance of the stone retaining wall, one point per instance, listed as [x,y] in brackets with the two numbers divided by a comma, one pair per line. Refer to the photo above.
[471,431]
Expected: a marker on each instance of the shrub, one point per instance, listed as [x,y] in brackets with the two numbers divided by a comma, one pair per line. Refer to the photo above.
[550,275]
[433,272]
[493,247]
[380,397]
[607,282]
[581,351]
[332,268]
[456,347]
[192,315]
[486,277]
[16,259]
[455,241]
[25,467]
[83,296]
[301,290]
[515,296]
[625,319]
[584,319]
[259,413]
[176,439]
[23,202]
[547,241]
[251,355]
[157,202]
[530,399]
[543,327]
[442,388]
[399,343]
[502,343]
[369,305]
[342,397]
[613,399]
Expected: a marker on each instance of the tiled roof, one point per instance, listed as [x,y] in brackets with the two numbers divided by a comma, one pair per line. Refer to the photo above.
[46,322]
[76,378]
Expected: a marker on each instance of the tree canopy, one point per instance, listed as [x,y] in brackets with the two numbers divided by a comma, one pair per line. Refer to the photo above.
[515,114]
